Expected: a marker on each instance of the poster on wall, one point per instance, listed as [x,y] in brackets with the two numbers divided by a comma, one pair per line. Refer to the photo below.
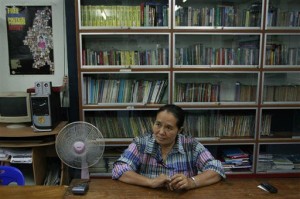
[30,40]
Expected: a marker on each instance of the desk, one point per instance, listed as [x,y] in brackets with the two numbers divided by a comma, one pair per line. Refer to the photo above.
[26,137]
[235,188]
[42,145]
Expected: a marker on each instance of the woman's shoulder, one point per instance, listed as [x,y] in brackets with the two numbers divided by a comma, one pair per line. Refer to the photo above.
[144,141]
[189,141]
[144,138]
[187,138]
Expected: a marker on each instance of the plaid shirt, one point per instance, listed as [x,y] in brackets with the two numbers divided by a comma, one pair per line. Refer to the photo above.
[188,156]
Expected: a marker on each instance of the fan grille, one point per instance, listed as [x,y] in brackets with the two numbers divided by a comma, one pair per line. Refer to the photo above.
[80,145]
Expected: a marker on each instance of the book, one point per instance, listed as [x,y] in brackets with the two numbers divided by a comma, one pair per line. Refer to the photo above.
[155,91]
[235,153]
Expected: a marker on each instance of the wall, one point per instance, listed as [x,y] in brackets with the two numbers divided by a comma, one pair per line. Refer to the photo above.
[22,82]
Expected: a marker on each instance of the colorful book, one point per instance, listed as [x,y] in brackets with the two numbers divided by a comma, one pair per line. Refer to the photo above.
[235,153]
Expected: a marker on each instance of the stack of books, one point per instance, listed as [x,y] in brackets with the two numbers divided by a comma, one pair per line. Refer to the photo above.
[278,162]
[235,159]
[281,162]
[16,155]
[265,162]
[296,160]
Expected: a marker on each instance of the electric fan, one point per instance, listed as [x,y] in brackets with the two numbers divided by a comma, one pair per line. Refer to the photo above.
[80,145]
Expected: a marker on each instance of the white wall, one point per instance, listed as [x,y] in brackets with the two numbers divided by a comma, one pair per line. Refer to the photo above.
[22,82]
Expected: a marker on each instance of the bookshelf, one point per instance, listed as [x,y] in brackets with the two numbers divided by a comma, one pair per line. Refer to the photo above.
[232,65]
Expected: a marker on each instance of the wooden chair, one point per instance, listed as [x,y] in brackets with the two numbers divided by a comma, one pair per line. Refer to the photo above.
[9,174]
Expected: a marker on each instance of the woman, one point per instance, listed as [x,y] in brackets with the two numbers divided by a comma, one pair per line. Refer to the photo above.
[168,158]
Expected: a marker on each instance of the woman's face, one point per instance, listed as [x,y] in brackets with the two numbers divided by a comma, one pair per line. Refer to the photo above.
[165,129]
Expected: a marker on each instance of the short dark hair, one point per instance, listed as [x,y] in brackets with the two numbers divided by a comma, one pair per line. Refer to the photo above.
[176,111]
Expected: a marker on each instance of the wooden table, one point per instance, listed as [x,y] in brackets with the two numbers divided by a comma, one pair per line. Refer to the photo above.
[234,188]
[32,192]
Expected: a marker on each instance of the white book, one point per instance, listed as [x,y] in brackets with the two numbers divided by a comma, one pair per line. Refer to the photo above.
[155,91]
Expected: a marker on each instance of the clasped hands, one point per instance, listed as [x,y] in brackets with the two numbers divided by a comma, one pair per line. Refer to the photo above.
[176,182]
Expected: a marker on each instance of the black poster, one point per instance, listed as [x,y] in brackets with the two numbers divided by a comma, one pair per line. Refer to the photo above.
[30,44]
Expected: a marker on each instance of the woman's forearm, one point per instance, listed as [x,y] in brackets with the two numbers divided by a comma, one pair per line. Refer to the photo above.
[206,178]
[132,177]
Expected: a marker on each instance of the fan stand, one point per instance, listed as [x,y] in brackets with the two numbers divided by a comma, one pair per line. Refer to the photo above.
[85,171]
[79,148]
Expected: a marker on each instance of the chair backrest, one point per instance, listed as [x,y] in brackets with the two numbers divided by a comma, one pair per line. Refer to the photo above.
[9,174]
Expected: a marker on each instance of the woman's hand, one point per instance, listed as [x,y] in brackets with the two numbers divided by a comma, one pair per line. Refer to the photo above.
[179,182]
[161,181]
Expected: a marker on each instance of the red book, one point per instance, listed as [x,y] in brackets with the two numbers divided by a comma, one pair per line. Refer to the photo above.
[235,153]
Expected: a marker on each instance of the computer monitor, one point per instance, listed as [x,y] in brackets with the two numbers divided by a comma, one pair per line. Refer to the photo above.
[15,109]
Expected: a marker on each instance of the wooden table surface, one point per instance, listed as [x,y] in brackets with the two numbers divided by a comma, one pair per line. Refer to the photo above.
[32,192]
[234,188]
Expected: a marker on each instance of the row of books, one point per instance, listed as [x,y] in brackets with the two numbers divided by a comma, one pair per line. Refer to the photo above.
[128,125]
[282,93]
[159,56]
[280,54]
[224,125]
[283,18]
[152,91]
[156,14]
[268,162]
[97,90]
[121,125]
[219,15]
[197,92]
[210,92]
[245,93]
[200,54]
[219,125]
[145,14]
[266,125]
